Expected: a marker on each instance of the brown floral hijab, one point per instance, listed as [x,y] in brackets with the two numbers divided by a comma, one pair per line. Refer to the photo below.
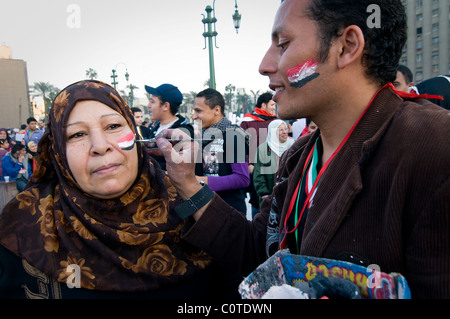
[131,243]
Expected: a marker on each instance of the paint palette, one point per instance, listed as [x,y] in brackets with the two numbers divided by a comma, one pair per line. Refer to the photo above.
[284,268]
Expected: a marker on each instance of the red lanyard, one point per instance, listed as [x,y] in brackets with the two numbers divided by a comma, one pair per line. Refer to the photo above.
[319,175]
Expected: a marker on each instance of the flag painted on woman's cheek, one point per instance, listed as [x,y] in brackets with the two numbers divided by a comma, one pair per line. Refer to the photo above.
[127,143]
[303,73]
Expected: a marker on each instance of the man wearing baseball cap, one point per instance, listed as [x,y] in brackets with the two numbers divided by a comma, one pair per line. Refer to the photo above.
[164,103]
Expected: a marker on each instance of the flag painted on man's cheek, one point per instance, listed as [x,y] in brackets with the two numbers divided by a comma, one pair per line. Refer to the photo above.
[303,73]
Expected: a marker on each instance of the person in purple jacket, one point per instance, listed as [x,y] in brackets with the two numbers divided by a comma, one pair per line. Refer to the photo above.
[223,166]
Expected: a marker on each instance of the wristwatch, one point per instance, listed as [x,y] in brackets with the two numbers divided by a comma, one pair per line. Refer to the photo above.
[193,204]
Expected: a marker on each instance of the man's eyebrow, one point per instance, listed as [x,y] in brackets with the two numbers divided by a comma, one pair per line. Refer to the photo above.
[103,116]
[276,31]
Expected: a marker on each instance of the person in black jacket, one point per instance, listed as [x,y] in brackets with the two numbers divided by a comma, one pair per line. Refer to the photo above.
[164,103]
[143,131]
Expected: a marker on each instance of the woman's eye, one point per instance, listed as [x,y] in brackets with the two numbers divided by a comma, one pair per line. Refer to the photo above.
[114,126]
[76,135]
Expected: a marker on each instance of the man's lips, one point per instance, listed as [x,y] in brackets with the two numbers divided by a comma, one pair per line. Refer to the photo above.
[106,169]
[278,90]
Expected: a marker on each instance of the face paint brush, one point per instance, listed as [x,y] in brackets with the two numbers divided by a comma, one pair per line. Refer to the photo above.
[303,73]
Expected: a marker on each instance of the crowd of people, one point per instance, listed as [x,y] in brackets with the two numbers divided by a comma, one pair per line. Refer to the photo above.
[334,163]
[18,149]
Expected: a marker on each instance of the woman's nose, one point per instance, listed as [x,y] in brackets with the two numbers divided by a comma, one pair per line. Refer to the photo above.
[99,143]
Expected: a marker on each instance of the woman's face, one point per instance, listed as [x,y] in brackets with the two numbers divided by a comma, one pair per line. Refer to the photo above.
[100,167]
[2,135]
[283,133]
[33,147]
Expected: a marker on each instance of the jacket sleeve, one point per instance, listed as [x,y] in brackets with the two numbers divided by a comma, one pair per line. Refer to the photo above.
[227,236]
[239,178]
[9,167]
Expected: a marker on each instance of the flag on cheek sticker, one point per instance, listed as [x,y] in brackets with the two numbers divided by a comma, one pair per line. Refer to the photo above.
[303,73]
[126,143]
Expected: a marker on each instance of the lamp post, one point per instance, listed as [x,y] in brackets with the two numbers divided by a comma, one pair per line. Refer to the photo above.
[114,82]
[209,27]
[114,75]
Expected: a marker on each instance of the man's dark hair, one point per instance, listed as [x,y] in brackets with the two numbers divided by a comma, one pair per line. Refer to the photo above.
[406,73]
[31,119]
[174,108]
[383,45]
[213,98]
[264,98]
[17,147]
[135,110]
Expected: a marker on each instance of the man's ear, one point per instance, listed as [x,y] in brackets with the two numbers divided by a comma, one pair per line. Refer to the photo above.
[352,45]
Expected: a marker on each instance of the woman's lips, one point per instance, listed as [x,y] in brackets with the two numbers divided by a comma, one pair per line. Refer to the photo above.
[105,169]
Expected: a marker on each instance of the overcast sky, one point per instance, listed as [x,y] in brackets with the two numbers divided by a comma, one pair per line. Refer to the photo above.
[157,41]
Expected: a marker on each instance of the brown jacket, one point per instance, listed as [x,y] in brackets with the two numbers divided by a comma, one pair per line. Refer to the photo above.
[384,200]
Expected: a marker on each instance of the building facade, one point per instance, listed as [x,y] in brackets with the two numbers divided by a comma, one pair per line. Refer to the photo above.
[427,52]
[14,96]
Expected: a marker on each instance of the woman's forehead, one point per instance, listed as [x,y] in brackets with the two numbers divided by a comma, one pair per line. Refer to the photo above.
[91,110]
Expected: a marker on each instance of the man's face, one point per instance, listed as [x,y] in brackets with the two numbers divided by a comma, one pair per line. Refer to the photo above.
[203,113]
[155,108]
[400,83]
[295,40]
[138,118]
[270,107]
[19,153]
[32,125]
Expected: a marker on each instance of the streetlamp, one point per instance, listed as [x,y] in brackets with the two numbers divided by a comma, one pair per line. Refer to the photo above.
[209,27]
[236,17]
[114,82]
[114,76]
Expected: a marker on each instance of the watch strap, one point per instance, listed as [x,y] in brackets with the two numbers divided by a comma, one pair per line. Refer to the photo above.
[193,204]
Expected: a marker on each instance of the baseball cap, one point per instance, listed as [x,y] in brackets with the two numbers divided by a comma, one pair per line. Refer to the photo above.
[167,92]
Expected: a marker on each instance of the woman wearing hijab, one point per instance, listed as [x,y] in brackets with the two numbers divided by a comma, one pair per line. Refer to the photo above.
[31,154]
[268,156]
[97,212]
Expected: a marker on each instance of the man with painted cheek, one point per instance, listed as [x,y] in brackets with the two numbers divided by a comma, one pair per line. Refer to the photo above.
[367,187]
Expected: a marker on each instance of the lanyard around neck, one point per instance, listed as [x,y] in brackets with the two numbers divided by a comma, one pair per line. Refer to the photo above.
[310,191]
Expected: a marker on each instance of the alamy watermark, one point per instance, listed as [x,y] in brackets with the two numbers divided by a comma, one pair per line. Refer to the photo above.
[73,20]
[374,20]
[74,279]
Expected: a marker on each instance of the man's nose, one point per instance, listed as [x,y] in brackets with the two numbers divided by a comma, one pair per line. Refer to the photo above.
[269,63]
